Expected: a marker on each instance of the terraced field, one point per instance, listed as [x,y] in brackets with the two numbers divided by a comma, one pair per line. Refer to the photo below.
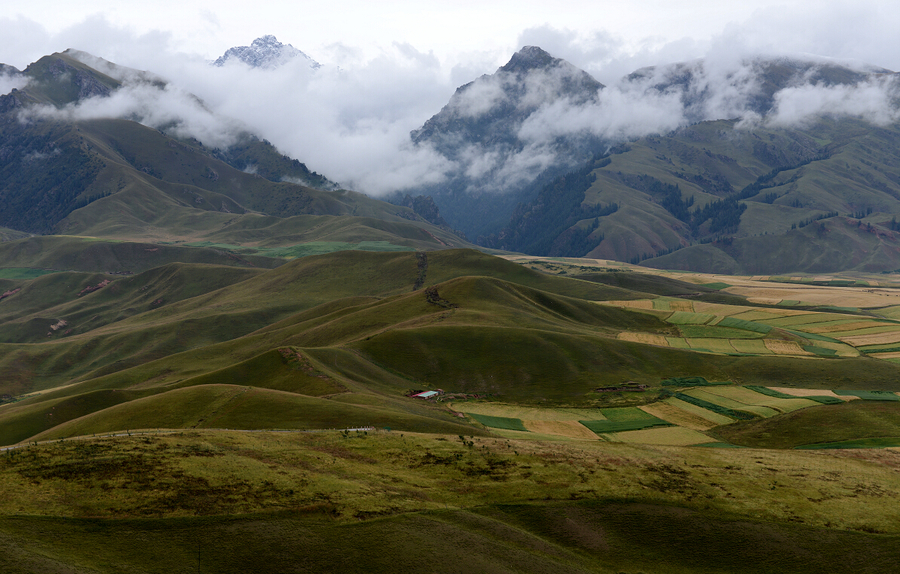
[742,330]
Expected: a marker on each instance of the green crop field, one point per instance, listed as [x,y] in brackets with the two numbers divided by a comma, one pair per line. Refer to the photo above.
[499,422]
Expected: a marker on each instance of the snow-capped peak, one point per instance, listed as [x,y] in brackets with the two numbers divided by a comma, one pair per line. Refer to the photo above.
[265,52]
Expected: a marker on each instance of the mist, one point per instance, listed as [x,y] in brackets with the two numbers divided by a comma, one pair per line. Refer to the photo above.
[351,119]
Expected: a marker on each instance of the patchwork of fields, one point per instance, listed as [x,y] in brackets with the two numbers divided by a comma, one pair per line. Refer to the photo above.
[683,418]
[743,330]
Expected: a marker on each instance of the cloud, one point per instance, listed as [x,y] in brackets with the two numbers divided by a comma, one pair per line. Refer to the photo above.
[9,82]
[873,101]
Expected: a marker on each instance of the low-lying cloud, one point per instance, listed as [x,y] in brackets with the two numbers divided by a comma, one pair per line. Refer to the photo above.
[351,122]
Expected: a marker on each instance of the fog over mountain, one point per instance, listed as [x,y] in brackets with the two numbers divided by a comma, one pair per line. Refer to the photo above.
[351,118]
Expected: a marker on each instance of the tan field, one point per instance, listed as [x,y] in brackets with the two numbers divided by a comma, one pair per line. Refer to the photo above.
[571,429]
[872,339]
[785,347]
[528,413]
[670,436]
[639,304]
[646,338]
[837,328]
[677,416]
[681,306]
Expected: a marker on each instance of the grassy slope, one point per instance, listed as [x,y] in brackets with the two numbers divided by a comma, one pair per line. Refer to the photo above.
[498,328]
[712,160]
[825,424]
[499,505]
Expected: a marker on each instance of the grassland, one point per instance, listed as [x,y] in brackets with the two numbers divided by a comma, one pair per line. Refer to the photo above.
[186,349]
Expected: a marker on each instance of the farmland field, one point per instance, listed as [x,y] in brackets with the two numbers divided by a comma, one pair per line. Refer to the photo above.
[673,436]
[707,395]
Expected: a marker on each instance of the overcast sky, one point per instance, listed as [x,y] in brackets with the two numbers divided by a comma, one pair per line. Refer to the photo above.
[390,65]
[465,33]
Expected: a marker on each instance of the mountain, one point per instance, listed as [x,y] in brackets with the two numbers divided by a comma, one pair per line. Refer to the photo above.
[480,130]
[736,195]
[265,52]
[117,178]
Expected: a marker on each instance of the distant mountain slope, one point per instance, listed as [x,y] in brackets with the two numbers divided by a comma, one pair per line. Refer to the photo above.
[758,153]
[64,170]
[722,197]
[480,130]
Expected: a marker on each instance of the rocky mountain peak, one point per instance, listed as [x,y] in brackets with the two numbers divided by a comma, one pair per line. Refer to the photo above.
[265,52]
[530,58]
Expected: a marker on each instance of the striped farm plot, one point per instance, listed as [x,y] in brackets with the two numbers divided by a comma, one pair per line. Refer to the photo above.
[800,320]
[714,418]
[882,338]
[846,325]
[732,404]
[750,397]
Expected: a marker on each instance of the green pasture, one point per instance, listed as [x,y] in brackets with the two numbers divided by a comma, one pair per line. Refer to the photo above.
[23,272]
[505,423]
[623,419]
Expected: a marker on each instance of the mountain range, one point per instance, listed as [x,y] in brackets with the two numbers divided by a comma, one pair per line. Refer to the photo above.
[772,165]
[759,152]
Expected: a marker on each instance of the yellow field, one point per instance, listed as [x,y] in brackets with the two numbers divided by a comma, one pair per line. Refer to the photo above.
[766,315]
[873,339]
[681,306]
[749,397]
[528,413]
[712,417]
[638,304]
[670,436]
[646,338]
[672,414]
[839,326]
[893,355]
[785,347]
[571,429]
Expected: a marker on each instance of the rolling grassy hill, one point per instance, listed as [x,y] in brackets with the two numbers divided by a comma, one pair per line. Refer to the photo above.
[192,346]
